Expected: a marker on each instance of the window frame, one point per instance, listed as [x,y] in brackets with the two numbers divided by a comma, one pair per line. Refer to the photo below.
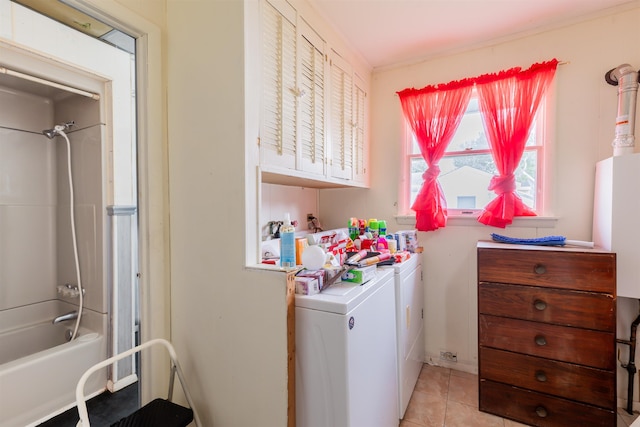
[543,124]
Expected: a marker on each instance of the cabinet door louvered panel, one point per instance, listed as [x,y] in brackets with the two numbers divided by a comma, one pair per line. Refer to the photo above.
[311,116]
[341,119]
[360,154]
[278,129]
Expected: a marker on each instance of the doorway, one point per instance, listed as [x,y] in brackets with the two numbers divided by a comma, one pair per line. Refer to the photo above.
[46,51]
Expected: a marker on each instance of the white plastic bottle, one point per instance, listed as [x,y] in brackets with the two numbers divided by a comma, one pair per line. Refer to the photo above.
[287,243]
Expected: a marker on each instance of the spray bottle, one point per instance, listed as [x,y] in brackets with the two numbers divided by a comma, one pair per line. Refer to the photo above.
[287,243]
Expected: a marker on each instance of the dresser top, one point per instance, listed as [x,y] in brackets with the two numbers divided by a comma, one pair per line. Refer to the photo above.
[490,244]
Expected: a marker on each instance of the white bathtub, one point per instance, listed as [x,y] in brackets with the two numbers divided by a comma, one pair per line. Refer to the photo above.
[39,369]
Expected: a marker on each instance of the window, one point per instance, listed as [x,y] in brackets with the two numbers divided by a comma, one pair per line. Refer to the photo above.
[467,166]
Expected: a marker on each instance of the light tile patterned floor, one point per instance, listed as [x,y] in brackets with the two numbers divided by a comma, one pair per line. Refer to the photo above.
[448,398]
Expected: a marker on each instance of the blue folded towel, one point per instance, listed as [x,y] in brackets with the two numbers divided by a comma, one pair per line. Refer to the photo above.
[544,241]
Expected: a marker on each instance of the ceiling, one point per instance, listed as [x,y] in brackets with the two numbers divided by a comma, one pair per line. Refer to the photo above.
[388,32]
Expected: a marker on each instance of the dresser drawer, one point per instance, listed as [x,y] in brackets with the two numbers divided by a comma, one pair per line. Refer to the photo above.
[562,307]
[575,382]
[581,346]
[537,409]
[567,270]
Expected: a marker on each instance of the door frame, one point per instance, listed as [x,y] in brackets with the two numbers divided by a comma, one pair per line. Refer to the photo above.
[153,229]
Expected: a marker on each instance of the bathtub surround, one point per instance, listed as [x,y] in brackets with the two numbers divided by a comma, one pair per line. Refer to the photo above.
[38,367]
[36,231]
[35,221]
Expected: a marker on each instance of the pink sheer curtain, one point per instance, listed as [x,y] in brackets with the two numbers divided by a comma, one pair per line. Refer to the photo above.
[508,103]
[434,113]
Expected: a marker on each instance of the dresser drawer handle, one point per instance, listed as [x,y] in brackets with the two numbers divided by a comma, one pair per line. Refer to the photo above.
[541,411]
[539,269]
[540,340]
[539,305]
[541,376]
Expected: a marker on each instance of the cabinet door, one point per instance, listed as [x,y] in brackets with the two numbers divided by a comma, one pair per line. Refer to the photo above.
[278,131]
[311,113]
[341,118]
[360,155]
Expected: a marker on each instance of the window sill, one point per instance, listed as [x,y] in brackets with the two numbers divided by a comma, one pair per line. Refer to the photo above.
[470,220]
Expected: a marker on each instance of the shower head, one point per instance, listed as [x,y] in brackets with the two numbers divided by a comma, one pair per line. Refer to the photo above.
[49,133]
[57,129]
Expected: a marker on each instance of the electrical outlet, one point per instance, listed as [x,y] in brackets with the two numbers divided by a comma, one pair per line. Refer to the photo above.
[449,356]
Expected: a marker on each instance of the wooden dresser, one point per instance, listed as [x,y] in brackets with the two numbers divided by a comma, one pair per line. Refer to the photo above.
[546,334]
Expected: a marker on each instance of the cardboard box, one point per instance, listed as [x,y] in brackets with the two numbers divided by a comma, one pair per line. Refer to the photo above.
[318,274]
[360,275]
[307,285]
[407,240]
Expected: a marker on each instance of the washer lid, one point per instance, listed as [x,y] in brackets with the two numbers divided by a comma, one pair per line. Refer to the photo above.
[344,296]
[407,265]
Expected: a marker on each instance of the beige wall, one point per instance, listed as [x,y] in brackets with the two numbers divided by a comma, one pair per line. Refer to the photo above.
[585,110]
[228,322]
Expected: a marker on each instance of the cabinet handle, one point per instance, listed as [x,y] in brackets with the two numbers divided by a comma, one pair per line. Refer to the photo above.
[540,340]
[541,411]
[539,305]
[541,376]
[539,269]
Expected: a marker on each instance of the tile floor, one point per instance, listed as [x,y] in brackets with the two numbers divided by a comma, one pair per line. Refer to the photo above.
[445,397]
[442,397]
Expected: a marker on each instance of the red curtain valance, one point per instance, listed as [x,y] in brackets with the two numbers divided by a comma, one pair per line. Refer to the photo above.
[452,85]
[484,78]
[509,100]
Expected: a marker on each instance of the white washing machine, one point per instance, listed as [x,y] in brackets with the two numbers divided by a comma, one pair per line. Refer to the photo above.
[346,370]
[409,292]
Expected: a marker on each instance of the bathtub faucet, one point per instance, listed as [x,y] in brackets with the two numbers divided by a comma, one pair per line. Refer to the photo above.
[69,316]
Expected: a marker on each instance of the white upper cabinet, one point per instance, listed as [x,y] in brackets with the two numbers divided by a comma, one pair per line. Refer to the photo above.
[342,125]
[311,97]
[293,114]
[360,135]
[313,112]
[278,134]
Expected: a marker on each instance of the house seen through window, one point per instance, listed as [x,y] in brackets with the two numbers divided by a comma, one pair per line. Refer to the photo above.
[467,166]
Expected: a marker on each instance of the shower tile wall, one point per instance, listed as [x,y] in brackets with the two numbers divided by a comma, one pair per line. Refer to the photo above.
[35,236]
[27,201]
[90,214]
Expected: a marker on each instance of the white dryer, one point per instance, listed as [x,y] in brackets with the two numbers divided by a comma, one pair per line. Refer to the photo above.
[346,370]
[409,292]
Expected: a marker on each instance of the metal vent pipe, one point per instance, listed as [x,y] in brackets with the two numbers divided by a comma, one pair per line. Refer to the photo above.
[626,78]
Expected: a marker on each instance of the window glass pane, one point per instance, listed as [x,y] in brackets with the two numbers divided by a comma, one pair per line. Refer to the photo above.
[470,133]
[465,179]
[527,178]
[418,167]
[465,176]
[531,141]
[467,202]
[414,145]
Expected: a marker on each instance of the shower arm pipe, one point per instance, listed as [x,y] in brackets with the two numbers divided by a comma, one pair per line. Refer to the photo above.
[29,77]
